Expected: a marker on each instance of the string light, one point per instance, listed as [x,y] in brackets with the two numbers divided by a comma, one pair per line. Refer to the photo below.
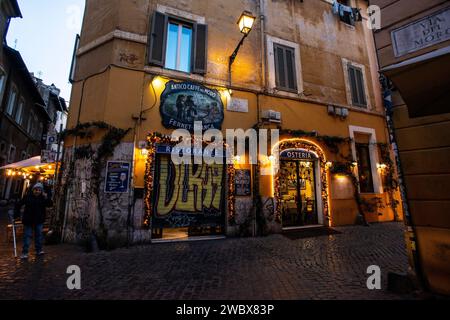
[300,143]
[153,139]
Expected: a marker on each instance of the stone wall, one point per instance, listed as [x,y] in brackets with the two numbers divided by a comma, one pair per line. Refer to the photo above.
[84,216]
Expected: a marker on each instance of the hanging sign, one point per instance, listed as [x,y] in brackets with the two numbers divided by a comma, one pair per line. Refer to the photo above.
[183,103]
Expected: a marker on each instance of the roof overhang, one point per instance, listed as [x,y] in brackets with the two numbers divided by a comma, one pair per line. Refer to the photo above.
[22,69]
[423,82]
[12,8]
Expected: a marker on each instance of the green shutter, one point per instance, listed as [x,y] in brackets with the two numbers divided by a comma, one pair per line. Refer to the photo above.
[157,39]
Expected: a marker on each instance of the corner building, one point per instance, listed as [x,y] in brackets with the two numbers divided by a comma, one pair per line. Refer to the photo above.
[148,67]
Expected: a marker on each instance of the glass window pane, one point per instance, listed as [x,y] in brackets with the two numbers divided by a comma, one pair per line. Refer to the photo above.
[172,46]
[185,50]
[19,113]
[364,168]
[11,102]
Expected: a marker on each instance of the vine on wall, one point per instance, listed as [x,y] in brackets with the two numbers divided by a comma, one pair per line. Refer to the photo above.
[345,166]
[109,142]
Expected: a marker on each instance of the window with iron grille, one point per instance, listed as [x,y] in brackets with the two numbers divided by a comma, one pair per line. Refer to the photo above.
[285,68]
[356,80]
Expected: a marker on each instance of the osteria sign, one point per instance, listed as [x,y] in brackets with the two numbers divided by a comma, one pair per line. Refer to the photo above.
[421,34]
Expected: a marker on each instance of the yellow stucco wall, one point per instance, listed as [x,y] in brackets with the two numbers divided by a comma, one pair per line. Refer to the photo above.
[114,89]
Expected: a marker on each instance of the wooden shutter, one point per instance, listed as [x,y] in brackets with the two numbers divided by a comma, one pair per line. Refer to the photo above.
[353,86]
[157,39]
[279,66]
[361,91]
[290,69]
[356,80]
[200,54]
[285,69]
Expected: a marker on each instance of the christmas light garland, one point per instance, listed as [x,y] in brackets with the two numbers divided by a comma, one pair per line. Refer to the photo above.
[299,144]
[155,138]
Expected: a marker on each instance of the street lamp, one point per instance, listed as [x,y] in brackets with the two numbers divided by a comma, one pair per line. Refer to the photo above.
[245,24]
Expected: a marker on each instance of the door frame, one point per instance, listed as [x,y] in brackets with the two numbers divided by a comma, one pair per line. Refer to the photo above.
[318,196]
[321,171]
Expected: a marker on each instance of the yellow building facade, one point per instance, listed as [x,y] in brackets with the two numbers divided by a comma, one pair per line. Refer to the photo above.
[149,67]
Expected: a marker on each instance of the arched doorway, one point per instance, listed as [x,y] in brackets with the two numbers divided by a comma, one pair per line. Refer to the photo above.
[301,184]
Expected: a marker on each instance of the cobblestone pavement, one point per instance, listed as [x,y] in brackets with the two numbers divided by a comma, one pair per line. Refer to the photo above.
[275,267]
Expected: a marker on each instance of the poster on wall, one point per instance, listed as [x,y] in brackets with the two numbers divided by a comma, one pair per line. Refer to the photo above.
[243,183]
[188,195]
[183,103]
[48,156]
[117,177]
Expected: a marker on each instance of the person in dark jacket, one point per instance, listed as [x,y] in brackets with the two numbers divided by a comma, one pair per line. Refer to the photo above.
[33,218]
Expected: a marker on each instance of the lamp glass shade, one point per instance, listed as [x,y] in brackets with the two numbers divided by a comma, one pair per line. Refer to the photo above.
[246,22]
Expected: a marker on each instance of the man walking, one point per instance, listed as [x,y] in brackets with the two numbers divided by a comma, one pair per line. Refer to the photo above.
[33,218]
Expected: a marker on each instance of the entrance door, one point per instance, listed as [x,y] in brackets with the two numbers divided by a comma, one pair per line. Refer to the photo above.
[188,200]
[298,193]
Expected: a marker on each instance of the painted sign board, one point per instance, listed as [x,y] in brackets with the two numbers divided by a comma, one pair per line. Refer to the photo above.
[421,34]
[117,177]
[183,103]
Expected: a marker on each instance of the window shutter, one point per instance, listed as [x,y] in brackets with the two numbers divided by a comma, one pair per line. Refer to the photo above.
[290,69]
[279,67]
[353,86]
[157,39]
[361,91]
[200,56]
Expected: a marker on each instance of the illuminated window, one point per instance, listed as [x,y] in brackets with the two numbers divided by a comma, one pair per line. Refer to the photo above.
[178,43]
[179,47]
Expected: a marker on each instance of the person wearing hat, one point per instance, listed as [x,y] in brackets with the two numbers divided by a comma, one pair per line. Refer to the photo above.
[33,218]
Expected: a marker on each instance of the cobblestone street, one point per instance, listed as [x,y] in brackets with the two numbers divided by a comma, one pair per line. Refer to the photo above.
[327,267]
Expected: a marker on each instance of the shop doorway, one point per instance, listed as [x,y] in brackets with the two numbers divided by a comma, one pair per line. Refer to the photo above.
[298,193]
[189,200]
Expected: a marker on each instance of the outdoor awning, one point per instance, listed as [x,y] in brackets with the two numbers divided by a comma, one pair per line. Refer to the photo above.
[423,82]
[32,165]
[32,162]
